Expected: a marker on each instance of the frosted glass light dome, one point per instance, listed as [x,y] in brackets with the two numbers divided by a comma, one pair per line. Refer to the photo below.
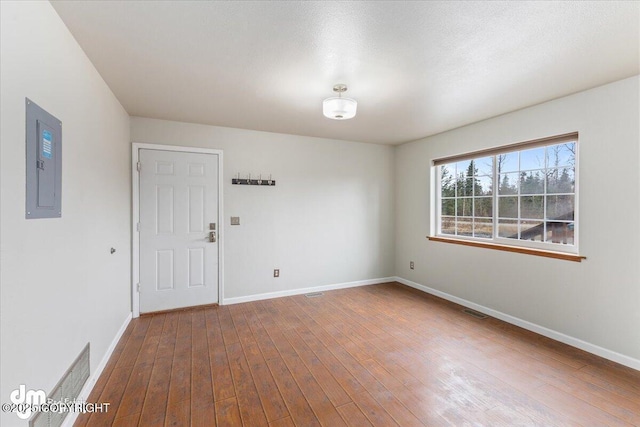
[337,107]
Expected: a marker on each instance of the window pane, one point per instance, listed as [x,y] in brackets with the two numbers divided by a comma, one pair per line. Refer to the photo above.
[531,230]
[532,207]
[508,183]
[560,207]
[561,180]
[483,186]
[448,225]
[467,180]
[465,226]
[508,228]
[561,155]
[532,159]
[463,167]
[507,162]
[462,189]
[508,207]
[465,185]
[560,232]
[448,207]
[447,180]
[483,207]
[531,182]
[483,228]
[484,166]
[465,206]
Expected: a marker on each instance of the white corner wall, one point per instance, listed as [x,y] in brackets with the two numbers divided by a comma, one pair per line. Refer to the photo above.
[596,302]
[60,286]
[329,220]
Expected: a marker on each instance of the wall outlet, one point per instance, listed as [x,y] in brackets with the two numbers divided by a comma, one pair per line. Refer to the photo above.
[411,265]
[276,273]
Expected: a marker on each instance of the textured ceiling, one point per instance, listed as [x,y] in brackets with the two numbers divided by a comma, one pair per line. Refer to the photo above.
[415,68]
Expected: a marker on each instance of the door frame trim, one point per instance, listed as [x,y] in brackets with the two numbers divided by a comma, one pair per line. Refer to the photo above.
[135,215]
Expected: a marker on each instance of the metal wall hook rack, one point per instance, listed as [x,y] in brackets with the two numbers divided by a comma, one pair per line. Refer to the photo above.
[250,181]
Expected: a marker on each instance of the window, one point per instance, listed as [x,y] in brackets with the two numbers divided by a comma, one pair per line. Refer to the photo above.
[523,194]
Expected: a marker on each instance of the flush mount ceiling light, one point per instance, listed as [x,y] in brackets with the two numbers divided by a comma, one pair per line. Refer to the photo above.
[339,108]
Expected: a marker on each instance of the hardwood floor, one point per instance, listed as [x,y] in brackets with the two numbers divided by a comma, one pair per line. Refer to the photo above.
[379,355]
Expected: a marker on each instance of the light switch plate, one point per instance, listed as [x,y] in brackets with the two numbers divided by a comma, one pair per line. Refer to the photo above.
[235,220]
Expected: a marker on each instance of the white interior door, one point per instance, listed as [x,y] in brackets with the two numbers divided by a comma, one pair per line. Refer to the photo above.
[178,218]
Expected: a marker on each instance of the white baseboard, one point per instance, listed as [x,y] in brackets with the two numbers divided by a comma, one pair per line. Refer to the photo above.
[88,386]
[549,333]
[269,295]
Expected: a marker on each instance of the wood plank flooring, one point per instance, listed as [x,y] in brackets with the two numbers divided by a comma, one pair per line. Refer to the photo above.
[382,355]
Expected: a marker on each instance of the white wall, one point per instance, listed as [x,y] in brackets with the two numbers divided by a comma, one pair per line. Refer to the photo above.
[596,301]
[60,288]
[329,220]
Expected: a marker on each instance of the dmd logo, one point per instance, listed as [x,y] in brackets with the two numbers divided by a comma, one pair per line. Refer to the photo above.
[27,401]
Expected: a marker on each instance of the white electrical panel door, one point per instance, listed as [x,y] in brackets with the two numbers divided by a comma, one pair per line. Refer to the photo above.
[44,163]
[178,229]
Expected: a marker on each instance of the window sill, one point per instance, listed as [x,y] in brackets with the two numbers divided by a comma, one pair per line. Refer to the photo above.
[517,249]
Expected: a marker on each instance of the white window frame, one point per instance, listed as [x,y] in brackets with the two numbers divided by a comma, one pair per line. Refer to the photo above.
[495,239]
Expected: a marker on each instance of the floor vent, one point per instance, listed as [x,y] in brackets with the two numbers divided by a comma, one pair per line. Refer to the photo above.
[474,313]
[314,294]
[67,390]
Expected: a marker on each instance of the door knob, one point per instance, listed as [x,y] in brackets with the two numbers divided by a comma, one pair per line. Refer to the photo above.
[212,237]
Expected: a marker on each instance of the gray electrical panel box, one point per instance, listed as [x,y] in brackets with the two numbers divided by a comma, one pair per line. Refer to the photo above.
[44,163]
